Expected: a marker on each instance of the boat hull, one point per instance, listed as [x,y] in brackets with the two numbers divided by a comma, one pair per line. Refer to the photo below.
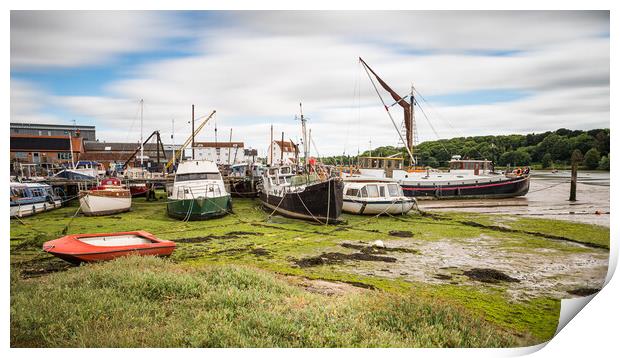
[71,249]
[310,204]
[396,207]
[98,203]
[243,187]
[199,209]
[138,190]
[23,210]
[506,188]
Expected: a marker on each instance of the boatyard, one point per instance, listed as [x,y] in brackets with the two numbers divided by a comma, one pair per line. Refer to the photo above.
[215,195]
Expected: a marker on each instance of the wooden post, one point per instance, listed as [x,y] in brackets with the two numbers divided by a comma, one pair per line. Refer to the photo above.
[576,158]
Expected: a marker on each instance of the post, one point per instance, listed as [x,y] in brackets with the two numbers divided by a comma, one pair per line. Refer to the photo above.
[229,145]
[193,158]
[271,148]
[282,150]
[576,158]
[157,144]
[172,137]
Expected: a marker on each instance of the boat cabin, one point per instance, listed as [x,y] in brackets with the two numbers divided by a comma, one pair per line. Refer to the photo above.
[380,164]
[377,190]
[245,169]
[469,166]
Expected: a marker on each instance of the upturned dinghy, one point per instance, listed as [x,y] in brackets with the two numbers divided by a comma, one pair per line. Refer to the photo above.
[102,247]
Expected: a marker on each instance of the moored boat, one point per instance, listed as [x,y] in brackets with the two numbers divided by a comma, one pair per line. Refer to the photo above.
[31,198]
[102,247]
[375,196]
[198,192]
[109,197]
[244,179]
[301,196]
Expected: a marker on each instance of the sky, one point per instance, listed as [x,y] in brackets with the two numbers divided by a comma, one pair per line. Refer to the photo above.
[477,73]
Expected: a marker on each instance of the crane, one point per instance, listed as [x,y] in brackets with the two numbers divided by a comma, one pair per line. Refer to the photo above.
[178,154]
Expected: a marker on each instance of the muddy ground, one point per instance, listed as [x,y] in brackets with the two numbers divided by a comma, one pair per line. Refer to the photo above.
[561,272]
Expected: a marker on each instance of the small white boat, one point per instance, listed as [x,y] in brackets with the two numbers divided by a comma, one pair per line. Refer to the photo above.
[374,196]
[110,197]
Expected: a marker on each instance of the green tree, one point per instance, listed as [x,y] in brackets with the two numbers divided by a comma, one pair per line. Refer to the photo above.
[546,160]
[432,162]
[592,158]
[603,164]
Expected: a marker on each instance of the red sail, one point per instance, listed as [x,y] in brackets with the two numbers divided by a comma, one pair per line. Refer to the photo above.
[400,100]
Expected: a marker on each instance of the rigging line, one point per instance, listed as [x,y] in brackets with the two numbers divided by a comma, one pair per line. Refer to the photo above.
[433,128]
[456,131]
[390,115]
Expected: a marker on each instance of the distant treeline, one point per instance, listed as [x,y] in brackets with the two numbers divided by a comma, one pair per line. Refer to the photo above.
[546,150]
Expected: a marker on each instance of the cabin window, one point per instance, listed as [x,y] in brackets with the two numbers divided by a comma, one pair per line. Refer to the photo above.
[352,192]
[198,176]
[373,191]
[17,192]
[364,192]
[393,189]
[382,191]
[285,170]
[37,192]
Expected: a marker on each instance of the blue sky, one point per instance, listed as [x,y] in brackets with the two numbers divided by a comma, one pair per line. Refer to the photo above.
[255,67]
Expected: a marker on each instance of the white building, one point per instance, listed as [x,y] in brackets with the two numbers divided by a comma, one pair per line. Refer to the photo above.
[220,152]
[282,152]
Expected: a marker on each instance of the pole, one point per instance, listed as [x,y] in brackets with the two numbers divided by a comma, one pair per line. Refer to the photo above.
[576,157]
[71,149]
[229,145]
[271,148]
[282,150]
[157,144]
[193,153]
[141,127]
[172,137]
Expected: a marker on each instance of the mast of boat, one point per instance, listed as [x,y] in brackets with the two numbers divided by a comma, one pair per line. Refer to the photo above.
[229,145]
[172,137]
[304,134]
[271,148]
[141,127]
[401,101]
[71,149]
[193,133]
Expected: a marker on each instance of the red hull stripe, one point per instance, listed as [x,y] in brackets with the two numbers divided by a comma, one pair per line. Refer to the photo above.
[112,251]
[412,188]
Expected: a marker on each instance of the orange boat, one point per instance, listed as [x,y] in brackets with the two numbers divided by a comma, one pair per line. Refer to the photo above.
[102,247]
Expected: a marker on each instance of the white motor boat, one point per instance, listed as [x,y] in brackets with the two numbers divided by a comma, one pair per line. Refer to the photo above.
[374,196]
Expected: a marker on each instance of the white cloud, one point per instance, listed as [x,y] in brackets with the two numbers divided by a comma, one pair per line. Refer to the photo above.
[256,72]
[43,39]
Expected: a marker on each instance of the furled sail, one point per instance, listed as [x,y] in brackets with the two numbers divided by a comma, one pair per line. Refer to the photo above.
[401,101]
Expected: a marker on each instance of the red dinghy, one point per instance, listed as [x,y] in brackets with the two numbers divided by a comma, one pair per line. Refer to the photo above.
[102,247]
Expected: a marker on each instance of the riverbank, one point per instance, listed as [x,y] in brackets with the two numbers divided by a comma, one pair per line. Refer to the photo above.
[443,279]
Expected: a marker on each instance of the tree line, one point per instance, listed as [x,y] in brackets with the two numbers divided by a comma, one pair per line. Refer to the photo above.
[546,150]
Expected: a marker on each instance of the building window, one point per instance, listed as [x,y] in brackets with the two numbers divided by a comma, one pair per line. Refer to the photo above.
[64,155]
[21,155]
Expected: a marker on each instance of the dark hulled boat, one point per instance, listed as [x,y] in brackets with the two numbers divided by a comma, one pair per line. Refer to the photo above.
[466,178]
[303,196]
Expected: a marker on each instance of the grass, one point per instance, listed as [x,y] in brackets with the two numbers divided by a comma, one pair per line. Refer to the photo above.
[249,244]
[148,302]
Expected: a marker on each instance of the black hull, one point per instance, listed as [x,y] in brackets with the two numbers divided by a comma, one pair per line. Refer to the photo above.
[310,204]
[243,187]
[510,187]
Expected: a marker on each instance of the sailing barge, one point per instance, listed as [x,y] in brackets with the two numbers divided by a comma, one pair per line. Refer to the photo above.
[466,178]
